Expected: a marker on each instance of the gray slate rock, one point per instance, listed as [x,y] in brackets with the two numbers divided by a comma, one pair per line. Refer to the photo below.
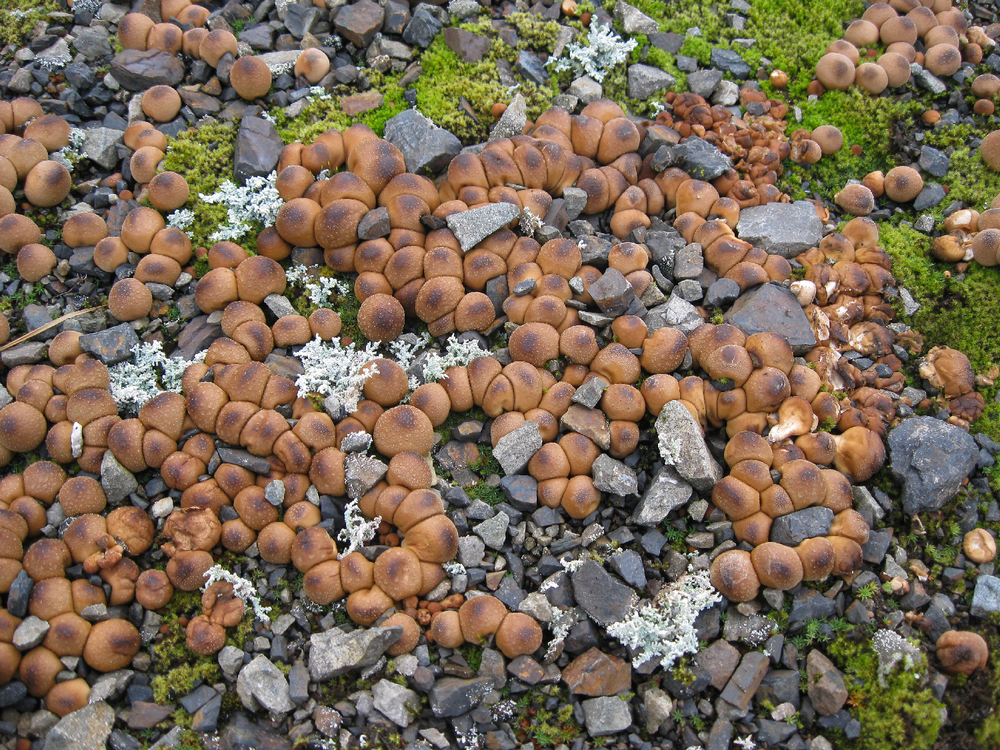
[701,159]
[335,652]
[116,481]
[30,633]
[677,313]
[531,67]
[934,161]
[645,80]
[493,531]
[785,229]
[612,293]
[454,696]
[803,524]
[258,147]
[512,123]
[398,704]
[262,685]
[101,146]
[613,476]
[516,448]
[665,493]
[730,62]
[703,82]
[986,597]
[770,307]
[138,70]
[473,226]
[602,597]
[87,728]
[633,20]
[931,458]
[683,447]
[112,345]
[608,714]
[745,680]
[426,148]
[423,27]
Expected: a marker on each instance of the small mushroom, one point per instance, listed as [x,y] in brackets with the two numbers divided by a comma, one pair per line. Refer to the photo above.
[979,546]
[733,574]
[962,651]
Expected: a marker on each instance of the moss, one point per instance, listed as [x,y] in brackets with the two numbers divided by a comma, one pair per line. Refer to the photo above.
[204,155]
[902,715]
[18,19]
[968,179]
[448,83]
[533,32]
[181,680]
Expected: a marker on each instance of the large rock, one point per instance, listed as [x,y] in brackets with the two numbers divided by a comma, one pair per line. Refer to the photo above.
[87,728]
[359,22]
[138,70]
[677,313]
[770,307]
[606,715]
[101,146]
[701,159]
[645,80]
[931,458]
[426,148]
[515,449]
[603,598]
[112,345]
[397,703]
[454,696]
[683,447]
[633,20]
[785,229]
[263,685]
[258,147]
[665,493]
[595,673]
[796,527]
[745,680]
[335,652]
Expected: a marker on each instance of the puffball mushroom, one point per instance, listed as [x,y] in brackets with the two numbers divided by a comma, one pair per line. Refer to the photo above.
[835,71]
[111,645]
[962,651]
[777,566]
[733,574]
[857,200]
[251,77]
[989,149]
[979,546]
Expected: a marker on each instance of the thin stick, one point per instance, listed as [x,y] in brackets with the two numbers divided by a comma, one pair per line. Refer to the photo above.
[47,326]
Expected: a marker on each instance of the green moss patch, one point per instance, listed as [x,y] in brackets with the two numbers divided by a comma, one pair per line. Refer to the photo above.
[18,19]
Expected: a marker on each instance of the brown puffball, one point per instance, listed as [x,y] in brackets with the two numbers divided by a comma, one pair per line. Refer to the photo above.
[962,651]
[381,317]
[733,574]
[47,184]
[251,77]
[129,300]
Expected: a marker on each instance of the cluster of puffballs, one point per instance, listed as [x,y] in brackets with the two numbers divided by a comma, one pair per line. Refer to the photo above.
[934,35]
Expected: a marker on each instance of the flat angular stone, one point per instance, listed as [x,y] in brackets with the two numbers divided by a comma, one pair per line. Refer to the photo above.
[811,605]
[683,447]
[101,146]
[645,80]
[603,598]
[262,685]
[112,345]
[516,448]
[493,531]
[730,62]
[589,394]
[665,493]
[825,684]
[469,46]
[770,307]
[931,458]
[454,696]
[423,27]
[677,313]
[701,159]
[356,104]
[742,686]
[612,292]
[703,82]
[796,527]
[362,472]
[785,229]
[986,597]
[633,20]
[241,734]
[719,661]
[426,148]
[512,123]
[359,22]
[245,459]
[398,703]
[589,422]
[87,728]
[606,715]
[335,652]
[138,70]
[521,491]
[473,226]
[611,475]
[258,147]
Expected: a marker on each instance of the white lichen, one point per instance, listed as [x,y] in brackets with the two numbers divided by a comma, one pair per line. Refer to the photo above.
[562,623]
[87,6]
[746,743]
[358,530]
[893,650]
[256,202]
[320,290]
[72,154]
[148,373]
[456,354]
[332,369]
[664,627]
[601,51]
[529,222]
[454,568]
[242,589]
[181,219]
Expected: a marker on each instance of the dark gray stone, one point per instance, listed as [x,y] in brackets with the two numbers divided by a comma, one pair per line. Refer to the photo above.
[703,82]
[469,46]
[780,686]
[667,492]
[258,147]
[245,459]
[85,729]
[607,714]
[701,159]
[770,307]
[521,491]
[613,476]
[931,458]
[745,680]
[722,293]
[719,661]
[335,652]
[826,687]
[612,293]
[112,345]
[454,696]
[644,81]
[375,223]
[628,564]
[19,594]
[730,62]
[531,67]
[810,605]
[803,524]
[138,70]
[986,597]
[426,148]
[473,226]
[785,229]
[423,27]
[397,15]
[934,162]
[602,597]
[930,196]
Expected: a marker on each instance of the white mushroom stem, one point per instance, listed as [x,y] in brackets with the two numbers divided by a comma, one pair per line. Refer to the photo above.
[804,291]
[795,417]
[76,440]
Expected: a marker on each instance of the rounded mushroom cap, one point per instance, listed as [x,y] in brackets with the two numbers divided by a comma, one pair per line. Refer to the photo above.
[903,184]
[168,191]
[84,230]
[480,617]
[129,299]
[66,697]
[367,605]
[205,637]
[872,77]
[519,634]
[397,573]
[153,589]
[251,77]
[111,645]
[216,44]
[161,103]
[434,539]
[897,68]
[979,546]
[312,64]
[22,427]
[47,184]
[835,71]
[275,543]
[829,138]
[857,200]
[446,629]
[962,651]
[733,574]
[989,149]
[38,670]
[186,569]
[817,557]
[381,317]
[403,428]
[35,261]
[777,566]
